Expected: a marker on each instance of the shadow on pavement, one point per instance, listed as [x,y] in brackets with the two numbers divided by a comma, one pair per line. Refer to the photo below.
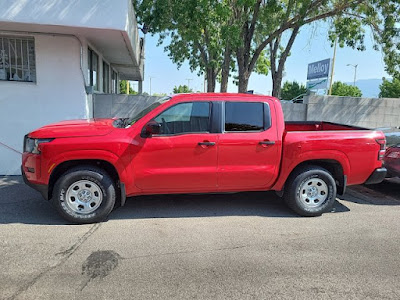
[262,204]
[384,193]
[21,204]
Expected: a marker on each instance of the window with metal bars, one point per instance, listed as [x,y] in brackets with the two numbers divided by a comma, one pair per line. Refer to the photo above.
[17,59]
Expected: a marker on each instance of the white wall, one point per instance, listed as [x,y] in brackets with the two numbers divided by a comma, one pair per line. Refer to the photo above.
[110,14]
[58,94]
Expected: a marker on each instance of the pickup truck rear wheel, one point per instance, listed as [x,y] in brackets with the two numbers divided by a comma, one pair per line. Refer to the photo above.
[84,195]
[310,191]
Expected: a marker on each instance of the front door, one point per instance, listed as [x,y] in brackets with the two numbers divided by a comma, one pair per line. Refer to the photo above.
[183,157]
[249,154]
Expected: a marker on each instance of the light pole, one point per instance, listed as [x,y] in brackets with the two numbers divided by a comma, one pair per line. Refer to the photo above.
[150,83]
[333,68]
[188,80]
[355,72]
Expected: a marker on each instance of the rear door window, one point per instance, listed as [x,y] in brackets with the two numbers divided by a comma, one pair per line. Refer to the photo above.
[244,116]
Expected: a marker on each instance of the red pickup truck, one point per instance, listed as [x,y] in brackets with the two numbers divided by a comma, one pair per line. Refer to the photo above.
[199,143]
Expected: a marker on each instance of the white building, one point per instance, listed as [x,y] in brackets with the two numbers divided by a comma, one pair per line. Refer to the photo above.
[53,55]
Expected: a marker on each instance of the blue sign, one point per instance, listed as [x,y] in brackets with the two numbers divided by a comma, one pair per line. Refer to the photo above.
[319,69]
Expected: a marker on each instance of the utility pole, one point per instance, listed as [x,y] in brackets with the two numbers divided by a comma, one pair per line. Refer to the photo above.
[333,69]
[355,72]
[127,87]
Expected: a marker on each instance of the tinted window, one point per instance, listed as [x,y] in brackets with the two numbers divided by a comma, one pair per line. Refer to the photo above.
[185,117]
[244,116]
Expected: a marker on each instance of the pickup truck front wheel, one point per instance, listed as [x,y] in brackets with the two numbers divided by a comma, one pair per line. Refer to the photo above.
[84,195]
[311,191]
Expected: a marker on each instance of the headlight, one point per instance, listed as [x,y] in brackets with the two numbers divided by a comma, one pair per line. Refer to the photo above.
[32,145]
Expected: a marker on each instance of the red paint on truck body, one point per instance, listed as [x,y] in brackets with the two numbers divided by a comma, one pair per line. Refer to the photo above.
[178,164]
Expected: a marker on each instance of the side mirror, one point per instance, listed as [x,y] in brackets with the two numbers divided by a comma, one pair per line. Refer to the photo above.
[151,128]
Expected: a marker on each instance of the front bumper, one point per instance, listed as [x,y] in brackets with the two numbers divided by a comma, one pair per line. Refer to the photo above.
[41,188]
[377,176]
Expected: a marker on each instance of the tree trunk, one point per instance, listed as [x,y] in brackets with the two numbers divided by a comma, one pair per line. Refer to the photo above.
[243,82]
[277,85]
[277,71]
[243,74]
[211,79]
[225,70]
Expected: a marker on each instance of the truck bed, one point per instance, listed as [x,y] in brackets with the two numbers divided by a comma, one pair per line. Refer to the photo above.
[318,126]
[354,148]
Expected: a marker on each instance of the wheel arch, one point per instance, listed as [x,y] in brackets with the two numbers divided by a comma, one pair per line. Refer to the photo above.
[61,168]
[332,166]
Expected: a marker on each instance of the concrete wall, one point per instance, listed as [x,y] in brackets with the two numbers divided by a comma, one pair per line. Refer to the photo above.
[57,95]
[294,111]
[364,112]
[121,106]
[369,113]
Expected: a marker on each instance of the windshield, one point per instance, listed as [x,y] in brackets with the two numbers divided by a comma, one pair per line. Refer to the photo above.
[148,109]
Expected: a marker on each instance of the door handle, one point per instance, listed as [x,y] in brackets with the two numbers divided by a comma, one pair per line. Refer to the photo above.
[207,144]
[267,143]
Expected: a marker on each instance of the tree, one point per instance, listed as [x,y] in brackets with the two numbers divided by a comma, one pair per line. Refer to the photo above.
[201,32]
[390,89]
[346,90]
[123,84]
[276,25]
[291,90]
[197,32]
[209,33]
[182,89]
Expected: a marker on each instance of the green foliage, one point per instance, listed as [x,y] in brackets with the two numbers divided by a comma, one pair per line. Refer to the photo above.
[196,31]
[159,94]
[390,89]
[346,90]
[123,84]
[263,64]
[291,90]
[182,89]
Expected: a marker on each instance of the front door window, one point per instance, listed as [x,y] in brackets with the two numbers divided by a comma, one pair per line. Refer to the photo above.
[190,117]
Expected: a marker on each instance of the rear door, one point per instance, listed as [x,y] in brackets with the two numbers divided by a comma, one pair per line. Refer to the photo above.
[183,157]
[248,156]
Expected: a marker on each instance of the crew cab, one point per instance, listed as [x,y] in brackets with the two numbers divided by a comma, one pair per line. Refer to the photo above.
[199,143]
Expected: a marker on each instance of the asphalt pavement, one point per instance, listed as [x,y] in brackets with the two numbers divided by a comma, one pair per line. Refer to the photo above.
[235,246]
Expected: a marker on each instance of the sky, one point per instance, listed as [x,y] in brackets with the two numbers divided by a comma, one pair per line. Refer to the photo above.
[310,46]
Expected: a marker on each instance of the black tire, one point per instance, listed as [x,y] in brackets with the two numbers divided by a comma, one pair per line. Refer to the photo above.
[308,200]
[104,189]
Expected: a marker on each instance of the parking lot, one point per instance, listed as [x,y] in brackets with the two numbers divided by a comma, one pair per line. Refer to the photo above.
[235,246]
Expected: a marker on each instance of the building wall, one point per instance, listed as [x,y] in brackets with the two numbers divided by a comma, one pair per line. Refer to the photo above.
[111,14]
[57,95]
